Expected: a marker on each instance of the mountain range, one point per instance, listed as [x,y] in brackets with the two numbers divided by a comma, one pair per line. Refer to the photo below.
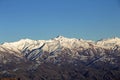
[61,58]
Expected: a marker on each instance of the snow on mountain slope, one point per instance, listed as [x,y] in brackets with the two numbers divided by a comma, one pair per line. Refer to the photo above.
[22,44]
[50,45]
[109,43]
[55,43]
[28,55]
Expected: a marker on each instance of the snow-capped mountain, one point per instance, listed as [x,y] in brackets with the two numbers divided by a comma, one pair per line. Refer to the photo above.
[60,51]
[33,49]
[109,43]
[49,45]
[55,43]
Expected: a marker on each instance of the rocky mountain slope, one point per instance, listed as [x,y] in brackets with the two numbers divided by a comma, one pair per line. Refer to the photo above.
[65,58]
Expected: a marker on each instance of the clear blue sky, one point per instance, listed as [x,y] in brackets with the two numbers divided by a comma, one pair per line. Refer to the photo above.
[45,19]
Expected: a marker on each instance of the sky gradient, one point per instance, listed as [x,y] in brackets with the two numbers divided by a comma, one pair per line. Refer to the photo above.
[45,19]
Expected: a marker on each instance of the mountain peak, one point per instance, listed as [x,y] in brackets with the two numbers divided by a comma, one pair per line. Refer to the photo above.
[59,36]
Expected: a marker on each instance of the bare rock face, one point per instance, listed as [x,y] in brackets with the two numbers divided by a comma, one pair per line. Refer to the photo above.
[61,58]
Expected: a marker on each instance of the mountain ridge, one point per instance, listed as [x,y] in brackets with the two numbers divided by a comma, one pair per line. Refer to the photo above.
[74,58]
[61,40]
[33,49]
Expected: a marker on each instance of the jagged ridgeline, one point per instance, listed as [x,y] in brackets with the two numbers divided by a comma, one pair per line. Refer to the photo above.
[61,58]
